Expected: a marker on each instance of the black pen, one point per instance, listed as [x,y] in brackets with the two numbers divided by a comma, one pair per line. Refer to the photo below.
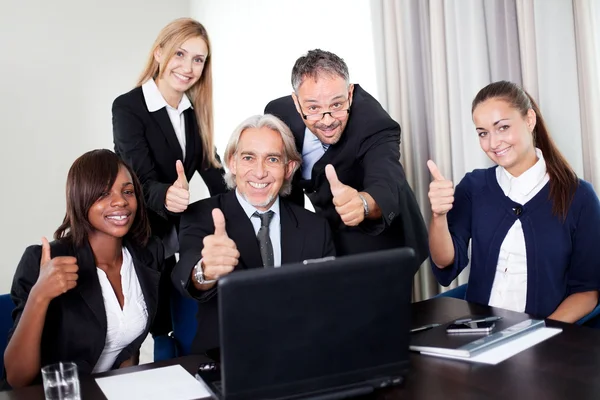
[424,328]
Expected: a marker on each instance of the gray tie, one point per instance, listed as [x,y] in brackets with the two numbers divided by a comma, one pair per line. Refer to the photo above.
[264,240]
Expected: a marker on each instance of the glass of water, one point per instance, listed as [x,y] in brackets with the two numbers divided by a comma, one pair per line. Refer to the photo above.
[61,381]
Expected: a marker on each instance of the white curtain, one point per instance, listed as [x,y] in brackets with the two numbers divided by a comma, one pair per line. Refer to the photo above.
[435,55]
[587,39]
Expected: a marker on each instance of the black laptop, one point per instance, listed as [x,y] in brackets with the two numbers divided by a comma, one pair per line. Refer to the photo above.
[325,330]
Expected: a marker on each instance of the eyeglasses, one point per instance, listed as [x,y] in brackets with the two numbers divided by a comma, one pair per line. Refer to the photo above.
[320,116]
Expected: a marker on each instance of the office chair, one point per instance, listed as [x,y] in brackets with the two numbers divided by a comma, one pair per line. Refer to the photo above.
[179,341]
[589,320]
[6,322]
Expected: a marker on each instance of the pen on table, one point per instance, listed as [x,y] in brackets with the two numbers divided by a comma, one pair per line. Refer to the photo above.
[469,320]
[424,328]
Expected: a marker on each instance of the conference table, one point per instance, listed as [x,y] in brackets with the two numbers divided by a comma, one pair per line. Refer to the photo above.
[566,366]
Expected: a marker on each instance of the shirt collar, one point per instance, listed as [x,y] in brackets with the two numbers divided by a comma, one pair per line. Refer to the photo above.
[249,209]
[527,181]
[155,100]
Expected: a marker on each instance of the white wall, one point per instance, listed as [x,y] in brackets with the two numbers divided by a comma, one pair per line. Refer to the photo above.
[255,44]
[62,64]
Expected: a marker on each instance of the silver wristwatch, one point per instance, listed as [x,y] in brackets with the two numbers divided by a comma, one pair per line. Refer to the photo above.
[199,274]
[365,204]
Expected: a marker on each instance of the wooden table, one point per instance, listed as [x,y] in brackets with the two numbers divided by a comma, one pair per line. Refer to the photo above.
[566,366]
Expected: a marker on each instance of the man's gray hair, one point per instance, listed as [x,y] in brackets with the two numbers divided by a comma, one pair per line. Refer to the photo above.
[290,153]
[317,62]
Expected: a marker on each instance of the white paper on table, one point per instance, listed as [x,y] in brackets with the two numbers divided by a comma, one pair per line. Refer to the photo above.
[504,351]
[173,383]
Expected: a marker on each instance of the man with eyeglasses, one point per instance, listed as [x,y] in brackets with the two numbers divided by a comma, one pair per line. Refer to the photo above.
[351,167]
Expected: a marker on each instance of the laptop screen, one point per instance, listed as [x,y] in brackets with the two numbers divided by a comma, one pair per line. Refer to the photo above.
[303,328]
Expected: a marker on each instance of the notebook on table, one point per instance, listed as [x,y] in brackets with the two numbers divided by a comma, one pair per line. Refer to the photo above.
[438,341]
[314,330]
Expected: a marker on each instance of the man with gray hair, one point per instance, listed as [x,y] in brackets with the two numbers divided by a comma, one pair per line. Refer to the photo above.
[252,226]
[351,167]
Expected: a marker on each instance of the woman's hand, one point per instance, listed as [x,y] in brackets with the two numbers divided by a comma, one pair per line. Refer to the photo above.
[178,194]
[57,275]
[441,191]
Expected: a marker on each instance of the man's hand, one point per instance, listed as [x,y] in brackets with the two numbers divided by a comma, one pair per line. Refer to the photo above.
[346,199]
[220,254]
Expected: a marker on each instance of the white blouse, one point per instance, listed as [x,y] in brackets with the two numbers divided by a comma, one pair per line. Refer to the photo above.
[124,325]
[155,101]
[509,289]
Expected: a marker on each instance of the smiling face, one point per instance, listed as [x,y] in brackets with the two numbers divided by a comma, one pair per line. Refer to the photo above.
[505,135]
[184,68]
[259,166]
[114,212]
[325,94]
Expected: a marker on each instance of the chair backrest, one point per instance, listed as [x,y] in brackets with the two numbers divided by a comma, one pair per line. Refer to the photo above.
[183,313]
[6,322]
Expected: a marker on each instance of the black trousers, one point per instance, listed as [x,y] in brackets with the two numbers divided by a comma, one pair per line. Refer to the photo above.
[163,323]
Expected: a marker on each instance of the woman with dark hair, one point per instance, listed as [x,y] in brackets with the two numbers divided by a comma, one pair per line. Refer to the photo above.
[533,226]
[90,295]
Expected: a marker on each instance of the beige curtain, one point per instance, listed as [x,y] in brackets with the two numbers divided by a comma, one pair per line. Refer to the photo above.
[587,40]
[433,57]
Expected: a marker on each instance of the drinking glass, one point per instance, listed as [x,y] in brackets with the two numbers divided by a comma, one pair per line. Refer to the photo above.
[61,381]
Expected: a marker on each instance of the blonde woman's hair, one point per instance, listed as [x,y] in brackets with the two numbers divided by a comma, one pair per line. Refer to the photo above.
[169,40]
[290,152]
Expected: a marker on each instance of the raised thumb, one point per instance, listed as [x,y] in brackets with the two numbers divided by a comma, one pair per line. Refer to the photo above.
[332,177]
[435,172]
[46,255]
[219,221]
[181,178]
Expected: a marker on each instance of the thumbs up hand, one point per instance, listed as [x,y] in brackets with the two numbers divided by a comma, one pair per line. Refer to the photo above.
[220,254]
[441,191]
[178,194]
[346,199]
[57,275]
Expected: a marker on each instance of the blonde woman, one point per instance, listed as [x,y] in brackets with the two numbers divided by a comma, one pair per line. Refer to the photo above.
[163,128]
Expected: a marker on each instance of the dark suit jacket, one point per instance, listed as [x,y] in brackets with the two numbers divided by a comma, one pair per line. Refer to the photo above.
[147,142]
[304,235]
[75,326]
[367,157]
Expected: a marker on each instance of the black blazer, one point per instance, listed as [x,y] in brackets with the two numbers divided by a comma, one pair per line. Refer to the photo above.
[75,326]
[304,235]
[147,142]
[367,157]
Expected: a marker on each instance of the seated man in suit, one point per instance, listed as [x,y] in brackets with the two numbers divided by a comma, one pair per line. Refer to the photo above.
[252,226]
[351,167]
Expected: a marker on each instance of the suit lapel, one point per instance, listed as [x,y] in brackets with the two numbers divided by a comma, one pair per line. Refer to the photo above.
[88,285]
[240,230]
[292,238]
[148,277]
[164,122]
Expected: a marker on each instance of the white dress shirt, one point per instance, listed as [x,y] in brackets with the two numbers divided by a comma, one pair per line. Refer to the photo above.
[124,325]
[509,289]
[274,225]
[155,101]
[312,151]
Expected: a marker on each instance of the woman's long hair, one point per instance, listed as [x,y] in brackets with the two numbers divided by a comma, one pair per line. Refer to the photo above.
[563,180]
[170,38]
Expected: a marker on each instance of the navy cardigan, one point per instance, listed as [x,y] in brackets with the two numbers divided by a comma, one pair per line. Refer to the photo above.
[562,257]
